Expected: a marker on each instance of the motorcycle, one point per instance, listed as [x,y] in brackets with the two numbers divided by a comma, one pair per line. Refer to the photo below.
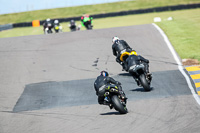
[88,25]
[48,29]
[57,28]
[136,69]
[73,27]
[115,99]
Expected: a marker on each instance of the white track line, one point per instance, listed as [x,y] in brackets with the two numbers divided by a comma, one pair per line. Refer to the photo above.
[180,66]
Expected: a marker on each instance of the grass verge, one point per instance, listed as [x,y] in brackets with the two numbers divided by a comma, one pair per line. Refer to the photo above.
[90,9]
[183,31]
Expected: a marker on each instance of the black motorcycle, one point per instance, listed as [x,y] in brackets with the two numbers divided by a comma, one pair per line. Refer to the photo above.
[72,27]
[115,99]
[138,73]
[48,29]
[88,25]
[137,69]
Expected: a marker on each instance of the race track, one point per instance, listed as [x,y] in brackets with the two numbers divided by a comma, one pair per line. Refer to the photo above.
[46,85]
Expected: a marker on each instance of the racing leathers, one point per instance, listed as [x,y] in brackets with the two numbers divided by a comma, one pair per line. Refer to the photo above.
[100,85]
[47,24]
[118,47]
[86,19]
[72,25]
[136,60]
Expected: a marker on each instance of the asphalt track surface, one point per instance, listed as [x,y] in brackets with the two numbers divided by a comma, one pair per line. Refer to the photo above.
[46,85]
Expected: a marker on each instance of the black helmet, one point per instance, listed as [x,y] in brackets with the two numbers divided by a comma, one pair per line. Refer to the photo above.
[104,73]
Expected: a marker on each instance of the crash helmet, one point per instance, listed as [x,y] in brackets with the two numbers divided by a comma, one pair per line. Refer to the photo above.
[56,21]
[72,21]
[104,73]
[48,19]
[114,39]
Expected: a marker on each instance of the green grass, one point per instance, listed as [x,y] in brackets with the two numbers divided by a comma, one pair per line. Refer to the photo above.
[183,32]
[90,9]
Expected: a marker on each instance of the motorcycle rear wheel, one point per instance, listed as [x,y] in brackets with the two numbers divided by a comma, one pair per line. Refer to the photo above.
[144,83]
[118,105]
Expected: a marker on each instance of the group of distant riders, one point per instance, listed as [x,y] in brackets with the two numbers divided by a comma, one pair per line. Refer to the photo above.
[108,90]
[49,25]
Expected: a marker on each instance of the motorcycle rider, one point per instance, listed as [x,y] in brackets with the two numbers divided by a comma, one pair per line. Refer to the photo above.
[72,25]
[138,59]
[118,47]
[55,24]
[101,83]
[85,18]
[47,24]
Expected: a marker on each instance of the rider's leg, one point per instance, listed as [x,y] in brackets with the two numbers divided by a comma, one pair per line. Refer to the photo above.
[100,99]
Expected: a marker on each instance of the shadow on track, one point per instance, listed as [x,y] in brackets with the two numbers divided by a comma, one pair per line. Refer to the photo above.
[141,89]
[124,74]
[111,113]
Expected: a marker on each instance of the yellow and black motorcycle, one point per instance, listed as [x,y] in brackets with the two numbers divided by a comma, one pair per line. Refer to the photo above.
[125,54]
[136,69]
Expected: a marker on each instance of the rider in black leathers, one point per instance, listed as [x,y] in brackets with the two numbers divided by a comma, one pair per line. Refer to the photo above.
[72,25]
[101,83]
[47,23]
[119,46]
[138,59]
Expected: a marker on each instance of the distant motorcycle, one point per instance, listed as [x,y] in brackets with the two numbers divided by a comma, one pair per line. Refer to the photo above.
[114,99]
[48,29]
[73,26]
[86,20]
[57,28]
[136,69]
[88,25]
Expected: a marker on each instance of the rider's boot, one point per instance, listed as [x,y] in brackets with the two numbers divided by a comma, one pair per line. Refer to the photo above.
[110,106]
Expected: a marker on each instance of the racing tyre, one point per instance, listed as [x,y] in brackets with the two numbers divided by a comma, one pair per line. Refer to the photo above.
[118,105]
[144,82]
[89,27]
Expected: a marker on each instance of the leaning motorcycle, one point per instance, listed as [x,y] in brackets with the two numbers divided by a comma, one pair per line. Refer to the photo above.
[115,99]
[137,69]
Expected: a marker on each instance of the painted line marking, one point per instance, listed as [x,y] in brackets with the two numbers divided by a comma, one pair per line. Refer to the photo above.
[193,68]
[196,76]
[180,67]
